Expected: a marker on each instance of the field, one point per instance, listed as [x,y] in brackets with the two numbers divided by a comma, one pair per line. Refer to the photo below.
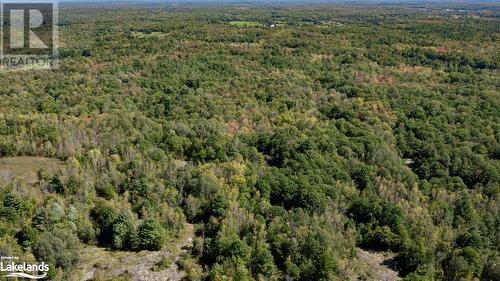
[286,142]
[244,23]
[26,169]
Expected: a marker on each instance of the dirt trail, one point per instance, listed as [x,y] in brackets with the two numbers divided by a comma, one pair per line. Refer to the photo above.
[373,266]
[102,264]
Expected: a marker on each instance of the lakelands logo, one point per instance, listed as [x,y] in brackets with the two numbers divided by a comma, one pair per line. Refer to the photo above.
[11,268]
[28,34]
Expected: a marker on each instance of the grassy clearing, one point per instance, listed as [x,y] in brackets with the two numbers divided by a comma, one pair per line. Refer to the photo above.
[139,34]
[27,168]
[98,263]
[165,263]
[375,266]
[245,23]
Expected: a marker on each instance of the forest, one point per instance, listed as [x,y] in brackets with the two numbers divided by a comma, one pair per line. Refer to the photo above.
[288,137]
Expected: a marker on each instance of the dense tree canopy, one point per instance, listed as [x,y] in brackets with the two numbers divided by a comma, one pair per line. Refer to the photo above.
[287,146]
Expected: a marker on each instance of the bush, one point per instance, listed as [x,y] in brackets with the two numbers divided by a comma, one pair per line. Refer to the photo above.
[104,215]
[491,269]
[58,247]
[412,256]
[105,190]
[463,264]
[11,207]
[27,236]
[263,261]
[194,272]
[380,238]
[124,233]
[6,149]
[151,235]
[86,231]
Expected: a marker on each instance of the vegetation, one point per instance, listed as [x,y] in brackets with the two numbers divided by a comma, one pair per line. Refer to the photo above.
[288,147]
[245,23]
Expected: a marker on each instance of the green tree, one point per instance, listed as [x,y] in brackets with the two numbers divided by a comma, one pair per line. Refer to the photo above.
[151,235]
[58,247]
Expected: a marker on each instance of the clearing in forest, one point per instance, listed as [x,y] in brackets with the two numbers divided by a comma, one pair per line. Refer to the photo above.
[375,266]
[26,168]
[97,263]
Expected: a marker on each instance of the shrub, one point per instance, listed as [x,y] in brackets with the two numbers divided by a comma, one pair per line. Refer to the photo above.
[151,235]
[58,247]
[104,215]
[124,233]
